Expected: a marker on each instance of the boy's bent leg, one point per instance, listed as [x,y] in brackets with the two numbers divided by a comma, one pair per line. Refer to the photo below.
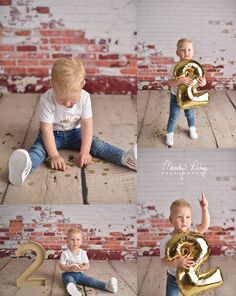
[83,279]
[171,286]
[106,151]
[69,280]
[37,152]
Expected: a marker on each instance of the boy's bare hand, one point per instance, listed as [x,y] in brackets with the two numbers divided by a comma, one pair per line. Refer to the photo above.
[83,159]
[185,80]
[201,81]
[203,201]
[74,268]
[58,163]
[185,262]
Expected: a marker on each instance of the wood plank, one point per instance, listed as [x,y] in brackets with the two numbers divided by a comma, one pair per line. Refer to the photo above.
[231,94]
[4,262]
[108,183]
[155,125]
[143,265]
[222,116]
[227,265]
[16,113]
[127,271]
[104,271]
[142,102]
[15,268]
[155,280]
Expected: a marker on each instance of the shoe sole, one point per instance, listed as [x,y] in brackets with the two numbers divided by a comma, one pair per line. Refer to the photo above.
[114,284]
[72,290]
[18,163]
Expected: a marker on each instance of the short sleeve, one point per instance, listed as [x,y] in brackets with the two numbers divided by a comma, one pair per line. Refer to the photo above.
[86,106]
[85,257]
[170,73]
[162,248]
[47,109]
[63,258]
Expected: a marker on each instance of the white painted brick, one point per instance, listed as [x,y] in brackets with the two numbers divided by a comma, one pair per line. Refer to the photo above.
[219,185]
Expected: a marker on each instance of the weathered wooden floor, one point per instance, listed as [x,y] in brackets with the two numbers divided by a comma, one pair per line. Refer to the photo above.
[10,269]
[152,276]
[216,122]
[99,183]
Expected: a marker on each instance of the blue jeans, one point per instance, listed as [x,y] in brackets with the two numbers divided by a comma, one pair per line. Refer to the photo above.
[172,288]
[72,140]
[174,115]
[79,278]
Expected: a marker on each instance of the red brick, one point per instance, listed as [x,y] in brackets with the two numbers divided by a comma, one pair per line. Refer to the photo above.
[23,33]
[129,71]
[61,55]
[27,62]
[7,48]
[26,48]
[5,2]
[7,62]
[37,71]
[47,62]
[108,56]
[42,9]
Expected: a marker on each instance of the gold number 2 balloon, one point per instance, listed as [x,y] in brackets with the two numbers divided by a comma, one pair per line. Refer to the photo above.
[24,279]
[192,281]
[189,96]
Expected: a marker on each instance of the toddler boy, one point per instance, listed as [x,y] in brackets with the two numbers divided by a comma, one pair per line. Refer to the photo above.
[181,219]
[74,262]
[66,123]
[184,52]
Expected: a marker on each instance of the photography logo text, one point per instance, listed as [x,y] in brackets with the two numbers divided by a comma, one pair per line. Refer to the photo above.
[184,169]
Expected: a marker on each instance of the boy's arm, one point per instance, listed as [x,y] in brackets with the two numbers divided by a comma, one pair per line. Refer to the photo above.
[205,223]
[86,141]
[182,80]
[56,161]
[85,266]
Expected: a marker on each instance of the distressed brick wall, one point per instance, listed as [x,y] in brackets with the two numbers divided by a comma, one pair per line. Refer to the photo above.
[35,33]
[210,24]
[169,175]
[109,232]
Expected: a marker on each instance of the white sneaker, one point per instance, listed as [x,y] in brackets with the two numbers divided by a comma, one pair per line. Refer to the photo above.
[193,133]
[72,290]
[169,139]
[130,158]
[19,166]
[112,285]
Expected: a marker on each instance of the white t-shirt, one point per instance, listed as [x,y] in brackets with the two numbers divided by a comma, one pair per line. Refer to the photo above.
[170,269]
[67,257]
[173,90]
[63,118]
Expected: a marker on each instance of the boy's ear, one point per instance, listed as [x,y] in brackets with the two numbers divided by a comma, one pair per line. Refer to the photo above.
[170,219]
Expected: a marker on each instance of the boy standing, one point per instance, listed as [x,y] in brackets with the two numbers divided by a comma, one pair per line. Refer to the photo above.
[184,52]
[66,123]
[74,262]
[181,219]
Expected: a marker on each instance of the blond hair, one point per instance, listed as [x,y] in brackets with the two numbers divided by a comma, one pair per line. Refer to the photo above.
[179,203]
[68,75]
[183,40]
[72,231]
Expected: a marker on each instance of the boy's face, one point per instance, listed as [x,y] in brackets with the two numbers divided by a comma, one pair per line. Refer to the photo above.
[181,219]
[185,51]
[66,100]
[75,240]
